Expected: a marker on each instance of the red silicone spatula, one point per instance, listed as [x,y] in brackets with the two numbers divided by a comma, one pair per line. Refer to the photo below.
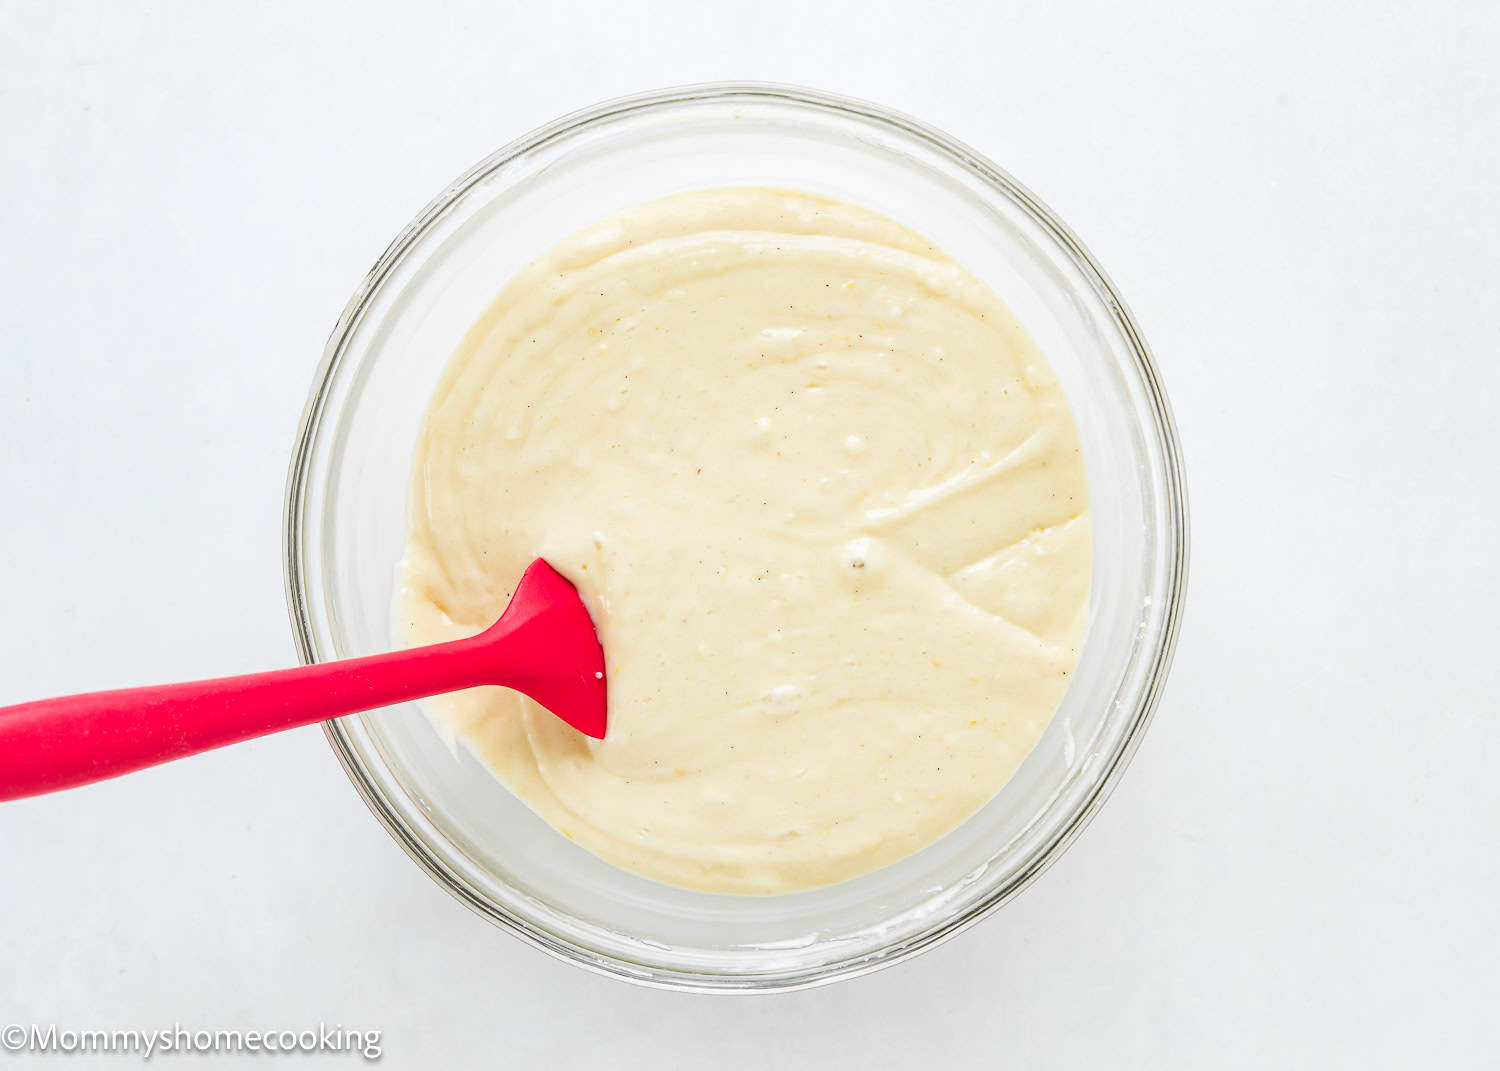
[543,645]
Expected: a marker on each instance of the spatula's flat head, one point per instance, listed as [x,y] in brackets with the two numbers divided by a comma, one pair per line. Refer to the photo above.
[546,647]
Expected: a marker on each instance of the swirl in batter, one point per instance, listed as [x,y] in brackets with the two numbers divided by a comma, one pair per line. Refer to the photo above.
[825,502]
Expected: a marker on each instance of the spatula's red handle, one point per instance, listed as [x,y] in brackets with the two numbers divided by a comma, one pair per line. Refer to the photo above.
[59,743]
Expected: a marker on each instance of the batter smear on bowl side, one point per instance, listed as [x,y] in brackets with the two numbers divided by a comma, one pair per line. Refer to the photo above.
[825,503]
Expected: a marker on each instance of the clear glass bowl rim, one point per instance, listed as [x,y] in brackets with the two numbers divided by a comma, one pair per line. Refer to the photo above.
[1175,538]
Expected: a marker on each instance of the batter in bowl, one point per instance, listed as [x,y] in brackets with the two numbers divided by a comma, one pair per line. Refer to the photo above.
[828,509]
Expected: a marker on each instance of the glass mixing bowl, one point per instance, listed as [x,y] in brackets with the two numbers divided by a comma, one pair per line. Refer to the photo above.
[345,528]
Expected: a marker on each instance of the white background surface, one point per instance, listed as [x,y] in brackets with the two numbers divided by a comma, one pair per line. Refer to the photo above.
[1300,204]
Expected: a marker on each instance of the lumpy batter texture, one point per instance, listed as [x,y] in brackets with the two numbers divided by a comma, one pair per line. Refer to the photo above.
[825,503]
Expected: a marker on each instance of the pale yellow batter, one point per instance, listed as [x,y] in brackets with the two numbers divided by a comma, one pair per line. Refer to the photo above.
[825,503]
